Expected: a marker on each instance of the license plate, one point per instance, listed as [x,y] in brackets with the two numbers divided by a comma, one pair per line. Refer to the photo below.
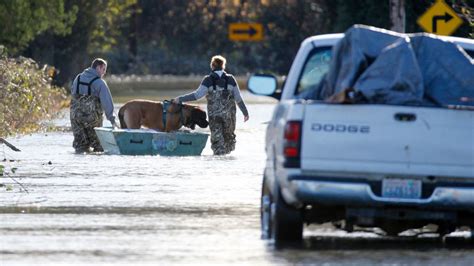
[401,188]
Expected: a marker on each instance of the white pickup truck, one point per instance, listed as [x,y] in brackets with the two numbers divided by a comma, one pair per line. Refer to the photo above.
[386,166]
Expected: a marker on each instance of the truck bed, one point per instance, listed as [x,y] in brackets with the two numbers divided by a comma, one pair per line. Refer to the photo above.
[384,139]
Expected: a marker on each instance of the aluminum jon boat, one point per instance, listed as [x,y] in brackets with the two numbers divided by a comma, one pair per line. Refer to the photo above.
[151,142]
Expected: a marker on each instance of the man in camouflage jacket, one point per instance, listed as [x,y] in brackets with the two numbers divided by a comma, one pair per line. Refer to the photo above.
[90,97]
[222,92]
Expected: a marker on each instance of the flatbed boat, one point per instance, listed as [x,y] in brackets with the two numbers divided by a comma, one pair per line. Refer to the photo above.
[151,142]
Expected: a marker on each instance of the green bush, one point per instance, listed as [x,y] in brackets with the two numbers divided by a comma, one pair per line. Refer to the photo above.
[26,95]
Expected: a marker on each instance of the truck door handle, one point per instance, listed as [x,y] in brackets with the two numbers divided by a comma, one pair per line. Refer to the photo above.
[136,141]
[405,117]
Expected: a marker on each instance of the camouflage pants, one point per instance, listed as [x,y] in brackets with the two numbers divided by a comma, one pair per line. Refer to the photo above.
[85,114]
[222,134]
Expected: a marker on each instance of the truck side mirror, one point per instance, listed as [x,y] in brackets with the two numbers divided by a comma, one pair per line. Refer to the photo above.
[264,84]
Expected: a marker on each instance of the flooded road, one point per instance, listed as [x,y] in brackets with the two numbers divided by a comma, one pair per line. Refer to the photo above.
[94,209]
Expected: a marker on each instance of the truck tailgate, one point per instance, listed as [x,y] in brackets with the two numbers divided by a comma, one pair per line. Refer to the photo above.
[388,139]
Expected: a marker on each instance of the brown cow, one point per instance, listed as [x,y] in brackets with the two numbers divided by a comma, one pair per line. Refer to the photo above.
[137,113]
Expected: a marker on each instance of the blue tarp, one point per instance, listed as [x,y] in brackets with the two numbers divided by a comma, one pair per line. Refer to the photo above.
[385,67]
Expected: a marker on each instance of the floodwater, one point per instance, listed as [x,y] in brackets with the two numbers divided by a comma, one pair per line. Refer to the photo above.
[107,209]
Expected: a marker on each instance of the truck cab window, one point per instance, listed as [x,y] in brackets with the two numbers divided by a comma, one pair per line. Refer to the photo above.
[314,69]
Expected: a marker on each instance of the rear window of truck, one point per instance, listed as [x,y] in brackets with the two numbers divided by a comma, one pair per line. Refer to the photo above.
[314,69]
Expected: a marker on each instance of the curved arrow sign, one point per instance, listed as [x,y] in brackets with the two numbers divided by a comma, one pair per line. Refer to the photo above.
[440,19]
[447,17]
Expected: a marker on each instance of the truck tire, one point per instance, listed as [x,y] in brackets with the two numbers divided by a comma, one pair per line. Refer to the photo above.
[265,211]
[279,221]
[287,222]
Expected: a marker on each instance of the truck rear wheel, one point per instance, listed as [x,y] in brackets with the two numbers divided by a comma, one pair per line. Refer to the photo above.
[279,221]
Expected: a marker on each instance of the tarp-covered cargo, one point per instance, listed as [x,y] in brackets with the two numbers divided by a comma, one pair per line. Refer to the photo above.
[372,65]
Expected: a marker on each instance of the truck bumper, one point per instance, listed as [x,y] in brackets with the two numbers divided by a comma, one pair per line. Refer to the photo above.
[361,195]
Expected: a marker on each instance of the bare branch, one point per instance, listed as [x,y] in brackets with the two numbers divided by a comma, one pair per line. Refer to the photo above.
[3,141]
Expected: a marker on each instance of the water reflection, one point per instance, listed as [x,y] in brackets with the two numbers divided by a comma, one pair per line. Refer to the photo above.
[336,241]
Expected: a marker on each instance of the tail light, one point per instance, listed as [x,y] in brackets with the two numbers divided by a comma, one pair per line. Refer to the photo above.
[292,144]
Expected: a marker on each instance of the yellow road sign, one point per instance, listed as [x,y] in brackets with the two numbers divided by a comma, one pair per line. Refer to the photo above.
[440,19]
[245,31]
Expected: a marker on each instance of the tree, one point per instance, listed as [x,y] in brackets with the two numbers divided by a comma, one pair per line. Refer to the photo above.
[397,15]
[23,20]
[96,32]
